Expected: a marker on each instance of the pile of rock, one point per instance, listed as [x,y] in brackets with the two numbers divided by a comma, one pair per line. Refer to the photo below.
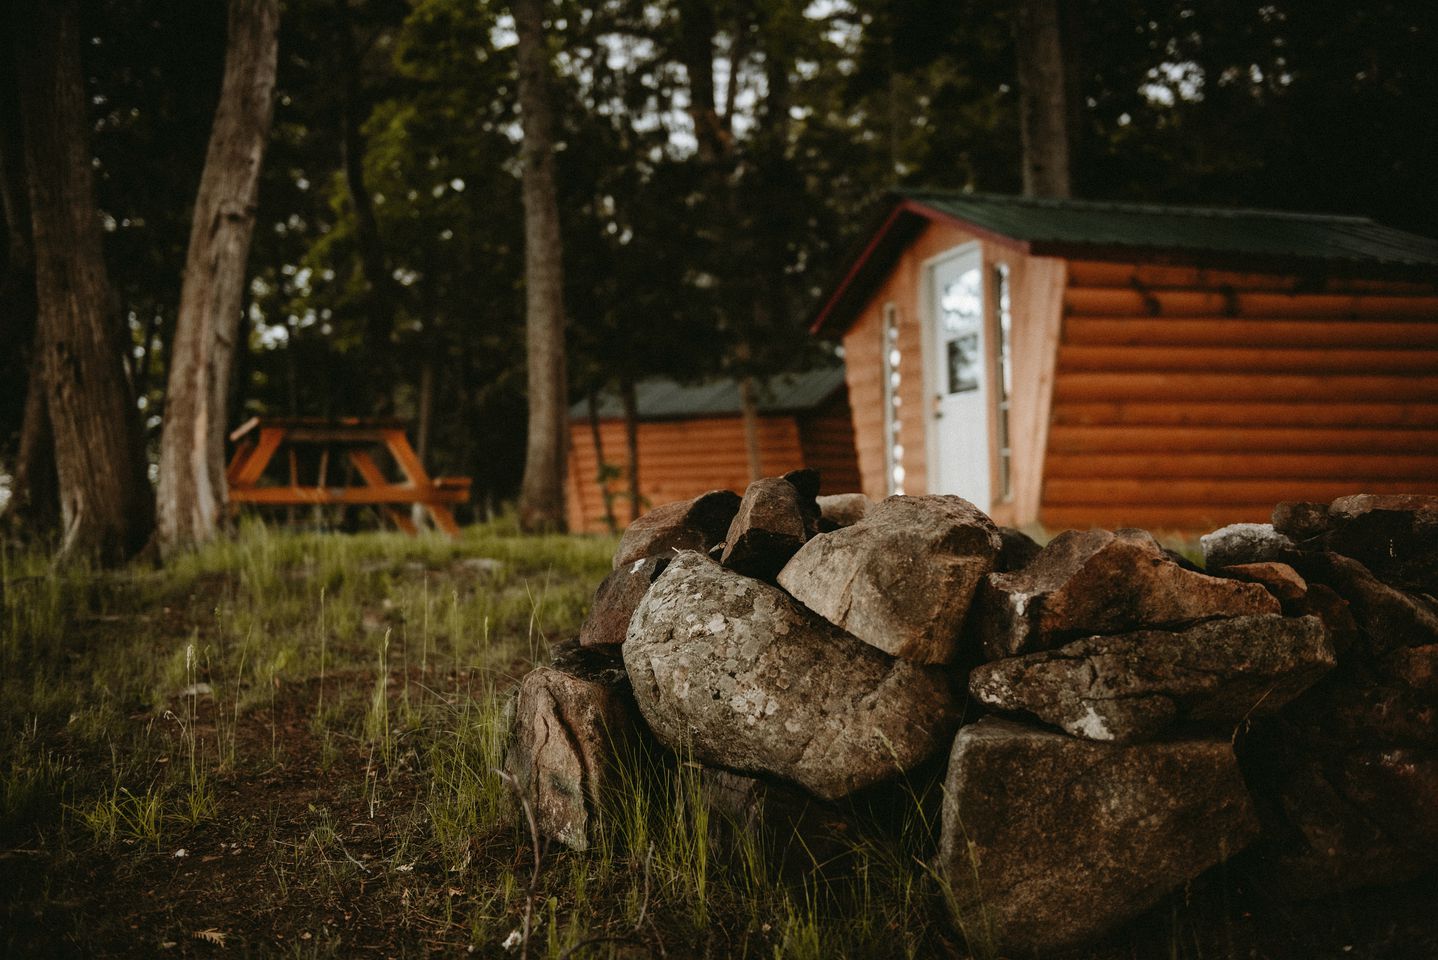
[1088,696]
[1347,776]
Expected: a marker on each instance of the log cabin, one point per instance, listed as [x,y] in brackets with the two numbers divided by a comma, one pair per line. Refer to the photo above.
[691,440]
[1064,363]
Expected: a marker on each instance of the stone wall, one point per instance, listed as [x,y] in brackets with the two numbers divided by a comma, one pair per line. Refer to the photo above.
[1114,719]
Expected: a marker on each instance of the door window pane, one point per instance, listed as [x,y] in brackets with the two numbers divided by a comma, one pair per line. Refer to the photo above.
[959,307]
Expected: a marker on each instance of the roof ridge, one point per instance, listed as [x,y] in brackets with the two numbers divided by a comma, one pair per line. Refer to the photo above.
[919,193]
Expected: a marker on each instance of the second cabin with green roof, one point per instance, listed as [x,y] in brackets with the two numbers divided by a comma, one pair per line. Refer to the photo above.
[1076,364]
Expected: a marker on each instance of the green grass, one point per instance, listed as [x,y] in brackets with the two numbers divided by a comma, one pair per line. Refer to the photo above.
[327,713]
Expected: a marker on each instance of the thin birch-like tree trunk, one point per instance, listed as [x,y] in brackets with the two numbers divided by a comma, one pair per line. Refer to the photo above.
[192,490]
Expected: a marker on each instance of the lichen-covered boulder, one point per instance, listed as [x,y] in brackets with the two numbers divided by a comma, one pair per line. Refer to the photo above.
[902,578]
[1245,543]
[1097,582]
[1137,686]
[737,673]
[1049,841]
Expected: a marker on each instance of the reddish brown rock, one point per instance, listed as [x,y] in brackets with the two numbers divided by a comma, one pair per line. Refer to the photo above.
[614,602]
[1387,618]
[1415,668]
[1097,582]
[1395,536]
[902,578]
[696,524]
[769,528]
[1279,579]
[569,732]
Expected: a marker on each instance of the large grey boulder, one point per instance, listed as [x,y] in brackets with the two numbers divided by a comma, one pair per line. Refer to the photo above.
[696,524]
[1096,582]
[1049,841]
[769,528]
[1136,686]
[614,602]
[737,673]
[569,733]
[902,578]
[1245,543]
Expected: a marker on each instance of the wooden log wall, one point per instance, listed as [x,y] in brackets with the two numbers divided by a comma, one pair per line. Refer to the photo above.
[826,438]
[678,459]
[1186,398]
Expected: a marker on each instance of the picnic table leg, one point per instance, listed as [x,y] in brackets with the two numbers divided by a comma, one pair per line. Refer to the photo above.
[443,518]
[414,471]
[370,471]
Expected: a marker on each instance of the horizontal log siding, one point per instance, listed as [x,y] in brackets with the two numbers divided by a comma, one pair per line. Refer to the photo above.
[826,437]
[1185,399]
[678,459]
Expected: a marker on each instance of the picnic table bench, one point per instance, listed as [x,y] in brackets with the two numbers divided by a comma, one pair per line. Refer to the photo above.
[259,439]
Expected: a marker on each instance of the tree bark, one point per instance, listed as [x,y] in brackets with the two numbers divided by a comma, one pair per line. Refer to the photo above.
[379,324]
[192,444]
[541,495]
[1044,113]
[34,508]
[630,400]
[106,504]
[601,472]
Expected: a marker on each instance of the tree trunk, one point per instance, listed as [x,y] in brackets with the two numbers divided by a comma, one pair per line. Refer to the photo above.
[541,495]
[1044,114]
[601,471]
[34,508]
[106,504]
[379,324]
[631,445]
[192,444]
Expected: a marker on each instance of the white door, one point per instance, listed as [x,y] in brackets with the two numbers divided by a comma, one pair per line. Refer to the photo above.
[960,432]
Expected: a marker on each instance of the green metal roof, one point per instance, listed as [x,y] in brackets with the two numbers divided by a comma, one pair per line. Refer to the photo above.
[664,399]
[1210,230]
[1308,245]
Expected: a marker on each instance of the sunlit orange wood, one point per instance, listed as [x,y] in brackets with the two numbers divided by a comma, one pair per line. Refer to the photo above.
[352,436]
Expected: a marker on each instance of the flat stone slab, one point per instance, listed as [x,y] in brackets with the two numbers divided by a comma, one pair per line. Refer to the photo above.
[902,578]
[1049,842]
[1137,686]
[1099,582]
[738,674]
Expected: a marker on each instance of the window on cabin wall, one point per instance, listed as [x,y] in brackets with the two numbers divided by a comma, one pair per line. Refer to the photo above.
[893,446]
[1003,305]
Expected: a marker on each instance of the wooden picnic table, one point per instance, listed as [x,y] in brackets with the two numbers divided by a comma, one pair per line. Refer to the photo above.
[259,439]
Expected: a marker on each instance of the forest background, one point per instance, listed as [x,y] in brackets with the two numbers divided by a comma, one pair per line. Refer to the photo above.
[712,162]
